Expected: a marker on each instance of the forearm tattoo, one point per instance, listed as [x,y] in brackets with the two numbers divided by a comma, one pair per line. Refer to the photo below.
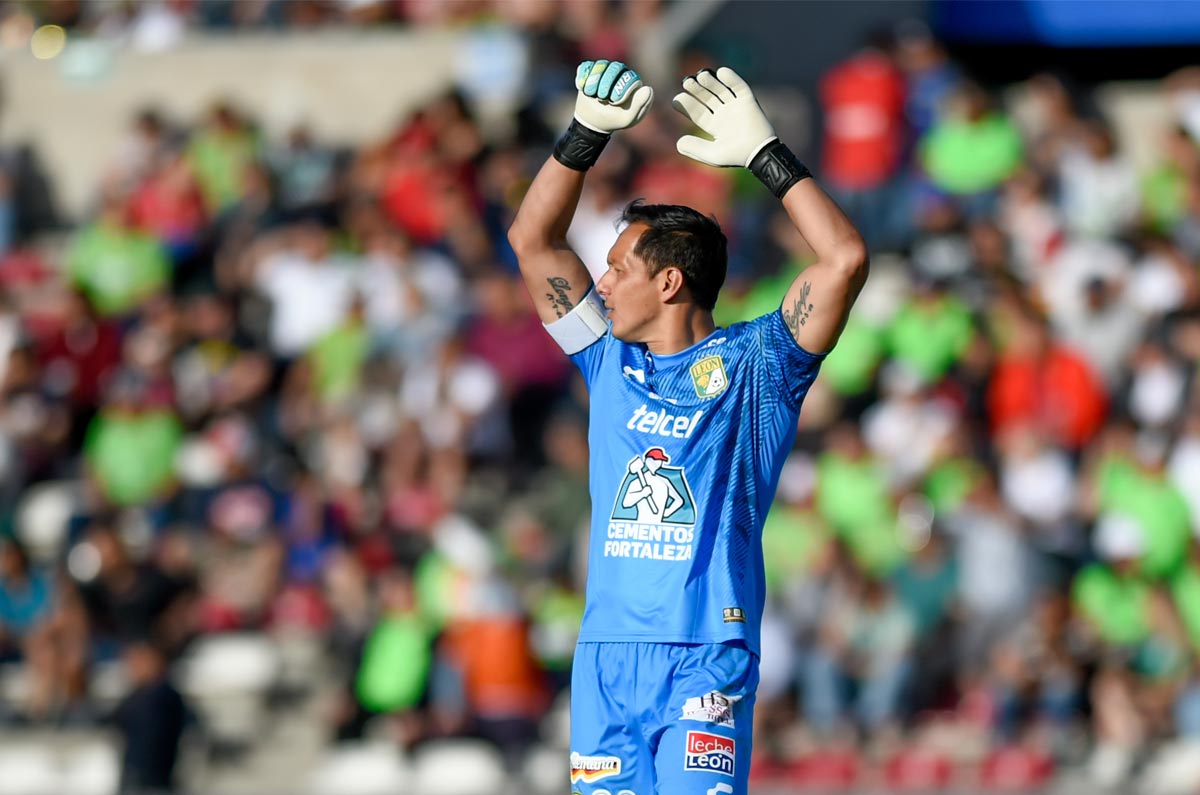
[800,310]
[559,298]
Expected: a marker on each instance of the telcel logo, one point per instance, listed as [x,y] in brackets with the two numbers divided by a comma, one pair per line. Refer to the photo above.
[662,423]
[709,752]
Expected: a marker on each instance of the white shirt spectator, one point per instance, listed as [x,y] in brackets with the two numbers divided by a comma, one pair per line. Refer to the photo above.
[1039,487]
[397,292]
[1033,227]
[1157,392]
[1089,308]
[308,299]
[993,562]
[1100,198]
[906,429]
[448,399]
[1156,286]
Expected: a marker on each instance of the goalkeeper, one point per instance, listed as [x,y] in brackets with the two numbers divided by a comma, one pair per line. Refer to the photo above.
[690,425]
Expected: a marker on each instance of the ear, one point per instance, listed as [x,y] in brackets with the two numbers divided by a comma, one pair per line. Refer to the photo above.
[670,284]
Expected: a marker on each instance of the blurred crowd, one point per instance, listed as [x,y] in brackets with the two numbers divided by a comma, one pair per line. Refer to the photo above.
[161,24]
[274,386]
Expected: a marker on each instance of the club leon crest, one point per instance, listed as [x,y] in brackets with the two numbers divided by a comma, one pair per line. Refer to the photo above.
[709,377]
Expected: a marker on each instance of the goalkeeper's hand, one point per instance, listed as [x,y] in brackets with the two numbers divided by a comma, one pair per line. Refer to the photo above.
[724,107]
[611,96]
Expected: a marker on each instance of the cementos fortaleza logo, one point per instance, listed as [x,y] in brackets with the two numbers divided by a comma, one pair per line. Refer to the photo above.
[709,752]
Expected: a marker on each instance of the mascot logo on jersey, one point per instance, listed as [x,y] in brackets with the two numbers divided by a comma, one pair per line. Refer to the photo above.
[654,493]
[709,376]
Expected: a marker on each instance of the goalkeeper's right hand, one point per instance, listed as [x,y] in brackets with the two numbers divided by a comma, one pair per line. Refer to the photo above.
[611,96]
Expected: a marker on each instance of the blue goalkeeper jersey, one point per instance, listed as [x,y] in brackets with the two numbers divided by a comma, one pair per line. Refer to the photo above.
[686,451]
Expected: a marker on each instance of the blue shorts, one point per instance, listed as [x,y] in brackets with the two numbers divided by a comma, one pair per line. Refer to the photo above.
[665,718]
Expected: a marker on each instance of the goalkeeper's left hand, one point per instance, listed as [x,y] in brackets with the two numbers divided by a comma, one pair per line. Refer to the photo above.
[723,106]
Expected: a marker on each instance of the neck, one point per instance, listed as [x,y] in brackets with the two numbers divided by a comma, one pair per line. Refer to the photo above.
[681,330]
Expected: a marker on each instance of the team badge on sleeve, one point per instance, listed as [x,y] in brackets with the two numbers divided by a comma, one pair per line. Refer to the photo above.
[709,376]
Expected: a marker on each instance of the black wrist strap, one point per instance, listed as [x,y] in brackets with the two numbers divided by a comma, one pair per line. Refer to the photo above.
[579,147]
[777,168]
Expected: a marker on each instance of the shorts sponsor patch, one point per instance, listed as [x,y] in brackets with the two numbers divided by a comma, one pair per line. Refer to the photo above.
[714,707]
[709,752]
[720,789]
[590,769]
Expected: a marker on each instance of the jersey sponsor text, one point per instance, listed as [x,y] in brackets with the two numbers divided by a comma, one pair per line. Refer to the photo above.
[593,768]
[662,423]
[705,752]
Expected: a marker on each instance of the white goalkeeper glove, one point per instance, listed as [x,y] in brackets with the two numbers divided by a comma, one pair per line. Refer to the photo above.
[611,97]
[724,107]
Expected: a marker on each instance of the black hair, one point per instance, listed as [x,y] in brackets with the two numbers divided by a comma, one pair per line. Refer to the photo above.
[683,238]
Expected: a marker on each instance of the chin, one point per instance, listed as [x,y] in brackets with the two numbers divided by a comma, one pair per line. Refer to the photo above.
[624,335]
[627,334]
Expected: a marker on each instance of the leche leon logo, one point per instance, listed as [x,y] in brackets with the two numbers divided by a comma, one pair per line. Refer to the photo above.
[705,752]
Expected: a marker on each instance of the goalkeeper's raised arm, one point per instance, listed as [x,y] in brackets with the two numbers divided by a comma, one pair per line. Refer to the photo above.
[722,105]
[610,97]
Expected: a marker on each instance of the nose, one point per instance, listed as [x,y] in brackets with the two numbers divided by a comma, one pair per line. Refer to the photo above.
[602,286]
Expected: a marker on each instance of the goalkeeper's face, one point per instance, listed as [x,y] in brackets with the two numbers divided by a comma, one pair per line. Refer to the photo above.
[631,295]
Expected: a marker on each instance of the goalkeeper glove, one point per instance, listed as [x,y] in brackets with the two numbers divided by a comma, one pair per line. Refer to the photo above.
[611,97]
[723,106]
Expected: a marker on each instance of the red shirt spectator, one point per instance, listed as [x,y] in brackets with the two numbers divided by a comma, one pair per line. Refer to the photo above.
[169,205]
[410,197]
[1044,384]
[864,121]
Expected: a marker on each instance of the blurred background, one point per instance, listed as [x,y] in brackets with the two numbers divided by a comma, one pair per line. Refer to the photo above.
[293,486]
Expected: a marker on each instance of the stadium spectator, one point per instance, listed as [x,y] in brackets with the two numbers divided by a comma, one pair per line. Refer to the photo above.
[151,719]
[114,264]
[863,103]
[972,148]
[25,597]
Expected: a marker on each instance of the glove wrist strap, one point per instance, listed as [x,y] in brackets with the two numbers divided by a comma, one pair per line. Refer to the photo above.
[777,168]
[580,146]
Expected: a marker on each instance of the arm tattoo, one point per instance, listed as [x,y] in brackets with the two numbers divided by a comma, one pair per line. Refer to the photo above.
[559,298]
[800,311]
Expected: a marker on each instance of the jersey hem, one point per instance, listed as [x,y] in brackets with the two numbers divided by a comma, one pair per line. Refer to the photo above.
[658,637]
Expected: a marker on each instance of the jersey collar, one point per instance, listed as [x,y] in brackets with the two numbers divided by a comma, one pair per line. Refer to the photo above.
[668,360]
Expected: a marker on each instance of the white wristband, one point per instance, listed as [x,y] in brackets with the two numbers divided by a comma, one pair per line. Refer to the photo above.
[580,327]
